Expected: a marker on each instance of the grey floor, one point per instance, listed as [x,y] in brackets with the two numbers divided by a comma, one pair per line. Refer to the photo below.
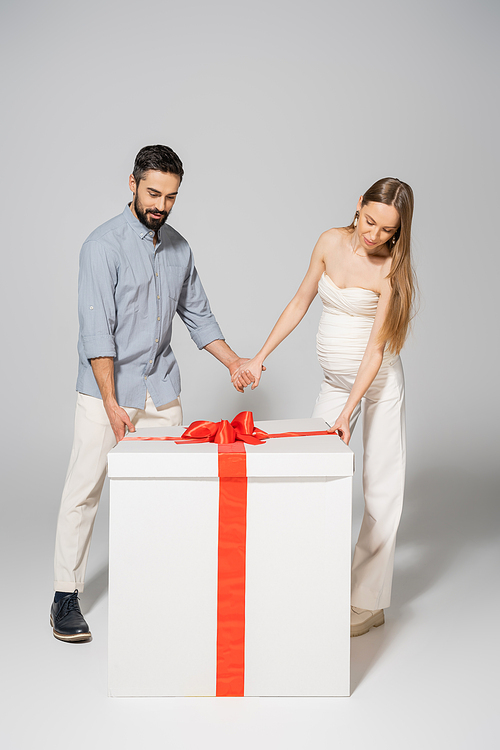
[427,679]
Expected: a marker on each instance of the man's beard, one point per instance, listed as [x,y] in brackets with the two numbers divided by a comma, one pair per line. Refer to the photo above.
[146,218]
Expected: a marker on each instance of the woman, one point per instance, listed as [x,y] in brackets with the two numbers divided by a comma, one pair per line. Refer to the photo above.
[364,276]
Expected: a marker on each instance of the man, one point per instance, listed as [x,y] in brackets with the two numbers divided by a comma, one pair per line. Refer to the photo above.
[136,272]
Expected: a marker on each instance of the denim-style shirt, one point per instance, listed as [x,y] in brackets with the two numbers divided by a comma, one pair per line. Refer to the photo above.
[128,294]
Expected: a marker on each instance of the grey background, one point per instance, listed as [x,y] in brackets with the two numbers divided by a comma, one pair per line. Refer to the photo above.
[283,113]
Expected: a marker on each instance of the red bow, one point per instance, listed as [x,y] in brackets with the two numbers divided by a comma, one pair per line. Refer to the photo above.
[224,432]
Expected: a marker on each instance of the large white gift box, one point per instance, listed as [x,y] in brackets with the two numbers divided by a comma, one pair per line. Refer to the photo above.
[230,586]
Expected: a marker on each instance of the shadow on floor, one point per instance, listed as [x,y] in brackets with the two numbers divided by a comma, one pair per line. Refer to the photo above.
[95,589]
[366,650]
[448,513]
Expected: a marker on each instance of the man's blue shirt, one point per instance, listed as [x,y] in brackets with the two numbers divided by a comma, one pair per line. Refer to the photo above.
[128,294]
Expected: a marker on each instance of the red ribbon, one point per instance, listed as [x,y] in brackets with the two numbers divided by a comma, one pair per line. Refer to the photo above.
[231,570]
[231,562]
[242,429]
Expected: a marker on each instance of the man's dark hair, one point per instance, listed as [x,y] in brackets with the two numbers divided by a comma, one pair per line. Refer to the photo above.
[160,158]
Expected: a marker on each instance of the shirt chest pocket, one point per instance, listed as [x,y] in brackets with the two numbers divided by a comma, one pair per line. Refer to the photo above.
[172,281]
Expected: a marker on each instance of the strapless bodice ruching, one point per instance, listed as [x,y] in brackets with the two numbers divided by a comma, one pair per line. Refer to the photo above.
[345,326]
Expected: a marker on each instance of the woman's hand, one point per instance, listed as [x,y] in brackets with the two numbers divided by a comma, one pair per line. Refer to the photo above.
[342,427]
[248,374]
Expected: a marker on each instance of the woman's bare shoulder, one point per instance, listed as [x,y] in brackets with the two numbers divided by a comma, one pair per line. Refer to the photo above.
[335,235]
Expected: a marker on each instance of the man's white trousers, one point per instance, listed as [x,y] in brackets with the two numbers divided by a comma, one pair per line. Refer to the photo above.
[93,439]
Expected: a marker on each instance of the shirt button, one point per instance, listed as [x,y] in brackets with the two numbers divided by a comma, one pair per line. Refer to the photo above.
[156,340]
[91,307]
[151,234]
[157,296]
[150,361]
[145,377]
[157,318]
[157,274]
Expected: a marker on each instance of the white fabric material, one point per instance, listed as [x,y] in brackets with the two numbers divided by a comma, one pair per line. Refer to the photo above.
[343,333]
[93,439]
[345,326]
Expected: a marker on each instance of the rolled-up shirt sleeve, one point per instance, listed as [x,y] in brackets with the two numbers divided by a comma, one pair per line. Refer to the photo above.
[96,301]
[194,310]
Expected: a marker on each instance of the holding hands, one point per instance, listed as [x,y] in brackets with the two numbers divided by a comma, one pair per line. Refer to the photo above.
[248,373]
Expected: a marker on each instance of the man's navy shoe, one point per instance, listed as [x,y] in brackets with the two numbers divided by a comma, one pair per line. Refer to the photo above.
[67,621]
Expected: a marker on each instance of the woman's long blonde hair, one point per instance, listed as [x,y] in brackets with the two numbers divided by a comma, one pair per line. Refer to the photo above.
[393,192]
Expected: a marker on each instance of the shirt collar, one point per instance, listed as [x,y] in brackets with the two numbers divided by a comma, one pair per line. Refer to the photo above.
[136,225]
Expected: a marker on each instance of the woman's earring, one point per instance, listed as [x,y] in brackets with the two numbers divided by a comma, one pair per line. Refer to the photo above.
[355,222]
[394,239]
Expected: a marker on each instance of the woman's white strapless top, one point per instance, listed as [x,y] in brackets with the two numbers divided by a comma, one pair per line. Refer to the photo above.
[345,326]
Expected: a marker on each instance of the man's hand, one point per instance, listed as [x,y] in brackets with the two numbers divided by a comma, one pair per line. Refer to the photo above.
[118,419]
[104,372]
[234,367]
[237,364]
[248,373]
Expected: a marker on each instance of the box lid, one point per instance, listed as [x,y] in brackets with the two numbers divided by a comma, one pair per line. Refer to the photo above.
[315,455]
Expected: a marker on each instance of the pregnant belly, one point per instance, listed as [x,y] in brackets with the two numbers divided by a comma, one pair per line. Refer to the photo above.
[341,341]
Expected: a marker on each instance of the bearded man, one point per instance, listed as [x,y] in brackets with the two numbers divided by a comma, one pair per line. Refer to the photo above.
[136,272]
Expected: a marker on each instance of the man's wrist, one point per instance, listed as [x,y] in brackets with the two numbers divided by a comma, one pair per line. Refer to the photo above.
[223,352]
[234,364]
[109,402]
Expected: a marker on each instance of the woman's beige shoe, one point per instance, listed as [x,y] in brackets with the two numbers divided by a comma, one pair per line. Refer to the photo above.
[364,619]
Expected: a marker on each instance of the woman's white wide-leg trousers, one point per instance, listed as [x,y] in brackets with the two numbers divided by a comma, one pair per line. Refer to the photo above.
[383,410]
